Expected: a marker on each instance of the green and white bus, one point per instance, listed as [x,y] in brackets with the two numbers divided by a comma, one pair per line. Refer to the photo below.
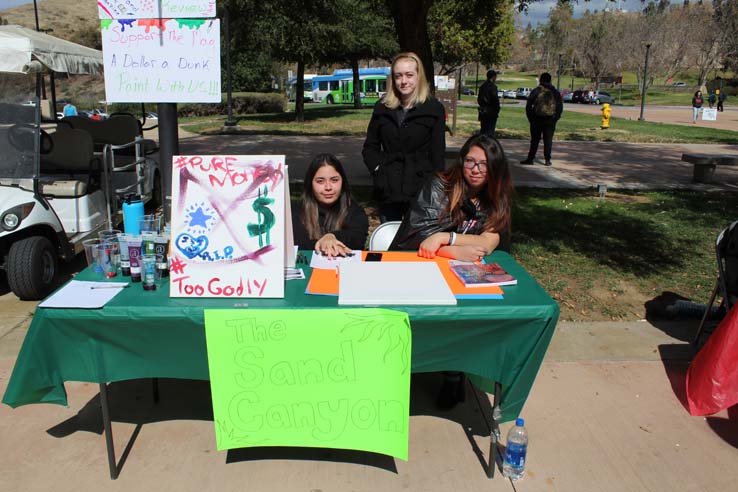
[339,87]
[307,89]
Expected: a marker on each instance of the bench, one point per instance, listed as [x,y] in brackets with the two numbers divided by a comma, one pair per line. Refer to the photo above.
[704,165]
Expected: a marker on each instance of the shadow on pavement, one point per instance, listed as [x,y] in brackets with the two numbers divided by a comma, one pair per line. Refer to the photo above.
[132,402]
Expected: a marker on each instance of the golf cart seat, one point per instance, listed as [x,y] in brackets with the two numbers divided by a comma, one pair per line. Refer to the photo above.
[120,130]
[70,169]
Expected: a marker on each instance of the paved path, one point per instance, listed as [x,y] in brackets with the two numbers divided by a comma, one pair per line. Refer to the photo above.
[576,164]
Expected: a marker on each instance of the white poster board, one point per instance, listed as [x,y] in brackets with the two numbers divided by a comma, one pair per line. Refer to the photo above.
[709,114]
[162,61]
[148,9]
[228,226]
[441,82]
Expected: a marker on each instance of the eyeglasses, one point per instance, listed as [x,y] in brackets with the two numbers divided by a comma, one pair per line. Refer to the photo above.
[469,163]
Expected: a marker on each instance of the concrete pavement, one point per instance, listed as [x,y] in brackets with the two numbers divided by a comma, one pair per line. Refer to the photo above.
[606,412]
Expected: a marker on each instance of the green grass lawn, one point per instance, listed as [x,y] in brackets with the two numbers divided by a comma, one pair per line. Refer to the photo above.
[346,121]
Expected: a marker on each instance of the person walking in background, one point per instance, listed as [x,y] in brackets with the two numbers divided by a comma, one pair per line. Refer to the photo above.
[489,104]
[543,109]
[405,141]
[721,97]
[697,102]
[711,99]
[69,110]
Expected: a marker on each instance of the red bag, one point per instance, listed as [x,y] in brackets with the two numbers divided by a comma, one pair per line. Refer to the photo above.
[712,379]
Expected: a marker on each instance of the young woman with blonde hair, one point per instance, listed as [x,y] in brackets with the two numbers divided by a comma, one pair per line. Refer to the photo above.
[405,141]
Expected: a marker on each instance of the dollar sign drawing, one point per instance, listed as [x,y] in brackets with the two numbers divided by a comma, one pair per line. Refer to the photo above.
[264,217]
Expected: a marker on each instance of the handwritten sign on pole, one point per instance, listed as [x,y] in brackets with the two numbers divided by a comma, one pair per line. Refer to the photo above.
[162,60]
[148,9]
[227,226]
[312,378]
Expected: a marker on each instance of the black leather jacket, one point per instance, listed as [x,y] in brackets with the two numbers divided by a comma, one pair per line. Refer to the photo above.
[423,219]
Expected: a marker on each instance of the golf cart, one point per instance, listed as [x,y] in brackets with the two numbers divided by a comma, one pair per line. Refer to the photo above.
[56,188]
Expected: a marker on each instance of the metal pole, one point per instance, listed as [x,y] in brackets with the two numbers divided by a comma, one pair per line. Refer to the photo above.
[229,121]
[476,81]
[645,77]
[168,147]
[35,12]
[558,75]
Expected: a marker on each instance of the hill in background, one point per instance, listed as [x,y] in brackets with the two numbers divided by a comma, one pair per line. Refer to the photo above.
[70,20]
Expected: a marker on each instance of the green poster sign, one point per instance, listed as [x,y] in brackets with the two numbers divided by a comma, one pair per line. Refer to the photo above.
[312,378]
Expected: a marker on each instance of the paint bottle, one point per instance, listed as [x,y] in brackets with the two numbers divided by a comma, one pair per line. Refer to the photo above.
[133,211]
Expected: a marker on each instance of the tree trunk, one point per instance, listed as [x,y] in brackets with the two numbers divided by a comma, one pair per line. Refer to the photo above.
[300,92]
[357,81]
[412,30]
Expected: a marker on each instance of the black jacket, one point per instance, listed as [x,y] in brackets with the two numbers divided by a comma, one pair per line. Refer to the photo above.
[401,157]
[353,234]
[489,102]
[530,108]
[423,219]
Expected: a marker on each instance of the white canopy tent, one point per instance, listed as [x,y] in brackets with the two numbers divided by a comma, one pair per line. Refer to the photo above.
[26,51]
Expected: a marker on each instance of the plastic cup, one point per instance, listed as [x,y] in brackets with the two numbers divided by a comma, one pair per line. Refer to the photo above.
[149,273]
[110,236]
[149,223]
[106,260]
[91,253]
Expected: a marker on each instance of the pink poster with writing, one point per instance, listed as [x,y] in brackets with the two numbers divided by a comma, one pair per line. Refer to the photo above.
[228,226]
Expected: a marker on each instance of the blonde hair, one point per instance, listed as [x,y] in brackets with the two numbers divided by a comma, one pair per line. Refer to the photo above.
[392,98]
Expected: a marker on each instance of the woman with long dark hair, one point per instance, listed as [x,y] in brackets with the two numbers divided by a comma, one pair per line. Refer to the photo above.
[405,141]
[328,219]
[464,212]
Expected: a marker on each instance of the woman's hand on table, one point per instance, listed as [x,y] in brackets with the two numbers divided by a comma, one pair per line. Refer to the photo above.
[430,245]
[329,245]
[469,253]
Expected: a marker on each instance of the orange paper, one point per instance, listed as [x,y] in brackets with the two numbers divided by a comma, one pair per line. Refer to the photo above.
[325,282]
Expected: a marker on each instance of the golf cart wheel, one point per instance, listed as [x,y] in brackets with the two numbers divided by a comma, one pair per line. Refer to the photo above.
[329,100]
[32,266]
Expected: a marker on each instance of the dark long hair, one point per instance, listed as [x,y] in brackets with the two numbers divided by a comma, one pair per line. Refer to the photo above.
[336,213]
[496,197]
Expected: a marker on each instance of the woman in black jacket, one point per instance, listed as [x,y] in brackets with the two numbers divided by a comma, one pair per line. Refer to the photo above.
[405,141]
[328,219]
[463,213]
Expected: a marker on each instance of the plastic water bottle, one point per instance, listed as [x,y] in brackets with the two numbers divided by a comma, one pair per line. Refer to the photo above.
[133,211]
[517,448]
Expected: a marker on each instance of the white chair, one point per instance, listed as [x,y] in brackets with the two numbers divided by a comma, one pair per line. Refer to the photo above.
[383,235]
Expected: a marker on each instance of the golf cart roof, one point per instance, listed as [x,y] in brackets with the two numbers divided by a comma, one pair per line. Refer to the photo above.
[25,51]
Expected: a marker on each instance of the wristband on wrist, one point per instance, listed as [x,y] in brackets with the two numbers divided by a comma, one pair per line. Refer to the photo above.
[452,238]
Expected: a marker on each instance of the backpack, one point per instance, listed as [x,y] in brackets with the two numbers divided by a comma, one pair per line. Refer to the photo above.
[545,103]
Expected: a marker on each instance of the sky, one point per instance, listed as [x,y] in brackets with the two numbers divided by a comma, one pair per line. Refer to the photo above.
[7,4]
[538,11]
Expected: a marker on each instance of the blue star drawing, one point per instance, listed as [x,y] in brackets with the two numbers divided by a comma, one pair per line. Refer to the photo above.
[199,215]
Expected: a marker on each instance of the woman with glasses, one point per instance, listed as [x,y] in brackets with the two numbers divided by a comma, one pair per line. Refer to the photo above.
[405,141]
[462,213]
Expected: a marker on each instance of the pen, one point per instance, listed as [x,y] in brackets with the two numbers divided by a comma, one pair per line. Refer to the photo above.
[109,286]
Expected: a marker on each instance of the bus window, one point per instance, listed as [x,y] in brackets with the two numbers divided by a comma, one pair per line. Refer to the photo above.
[323,85]
[334,85]
[382,85]
[370,86]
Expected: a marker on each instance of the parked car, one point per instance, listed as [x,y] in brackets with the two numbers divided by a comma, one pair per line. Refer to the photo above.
[509,94]
[599,97]
[500,94]
[467,91]
[567,98]
[680,84]
[522,92]
[578,96]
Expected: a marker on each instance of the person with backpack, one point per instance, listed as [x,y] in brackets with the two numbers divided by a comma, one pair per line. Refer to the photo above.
[489,105]
[721,97]
[543,109]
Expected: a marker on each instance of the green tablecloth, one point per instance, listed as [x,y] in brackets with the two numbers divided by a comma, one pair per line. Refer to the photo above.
[146,334]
